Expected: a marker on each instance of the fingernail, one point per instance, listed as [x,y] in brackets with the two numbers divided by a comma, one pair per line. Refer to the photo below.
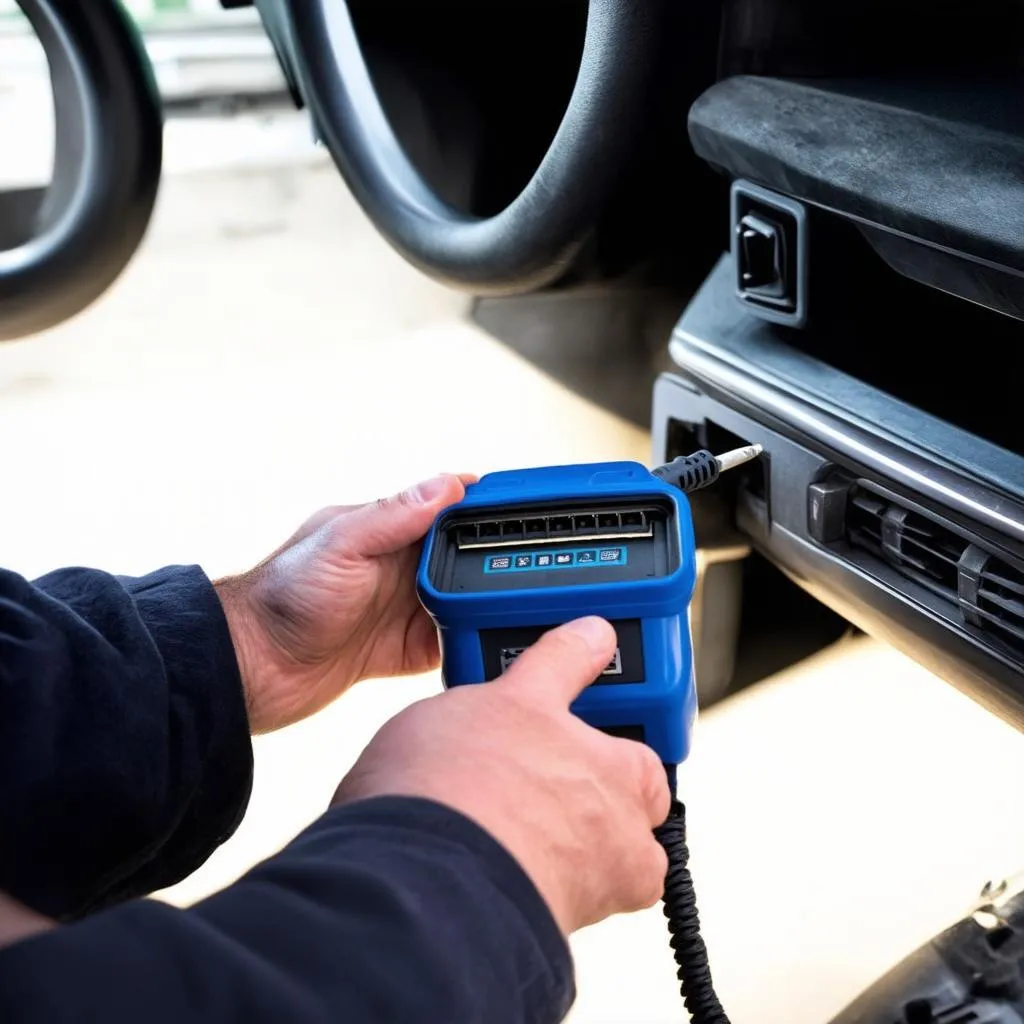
[595,633]
[429,490]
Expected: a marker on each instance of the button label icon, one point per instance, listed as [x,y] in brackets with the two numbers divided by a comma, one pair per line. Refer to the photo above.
[611,555]
[564,559]
[542,561]
[524,561]
[586,557]
[503,562]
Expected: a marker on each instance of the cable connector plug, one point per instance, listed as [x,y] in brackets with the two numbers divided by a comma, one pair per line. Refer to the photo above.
[701,469]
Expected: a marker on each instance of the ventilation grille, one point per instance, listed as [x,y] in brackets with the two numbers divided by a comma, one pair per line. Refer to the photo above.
[999,602]
[917,547]
[988,591]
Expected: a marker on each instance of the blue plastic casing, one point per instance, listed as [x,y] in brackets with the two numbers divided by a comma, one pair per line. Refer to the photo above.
[665,703]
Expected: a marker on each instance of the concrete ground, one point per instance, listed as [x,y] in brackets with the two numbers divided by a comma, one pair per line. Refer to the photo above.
[267,354]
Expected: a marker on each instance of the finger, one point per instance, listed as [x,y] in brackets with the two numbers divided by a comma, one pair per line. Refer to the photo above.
[563,662]
[391,524]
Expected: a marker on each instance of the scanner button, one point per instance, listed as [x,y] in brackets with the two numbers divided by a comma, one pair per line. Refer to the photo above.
[524,561]
[564,559]
[502,562]
[586,557]
[542,561]
[611,555]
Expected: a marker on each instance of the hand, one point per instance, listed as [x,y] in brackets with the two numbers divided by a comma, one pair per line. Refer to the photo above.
[18,923]
[575,807]
[335,604]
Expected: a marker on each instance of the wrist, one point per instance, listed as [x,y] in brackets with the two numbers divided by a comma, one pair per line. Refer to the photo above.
[253,663]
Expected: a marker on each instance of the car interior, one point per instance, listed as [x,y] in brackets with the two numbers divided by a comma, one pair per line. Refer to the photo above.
[778,222]
[804,228]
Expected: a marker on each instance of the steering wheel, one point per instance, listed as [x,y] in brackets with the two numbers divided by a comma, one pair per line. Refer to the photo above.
[532,241]
[60,248]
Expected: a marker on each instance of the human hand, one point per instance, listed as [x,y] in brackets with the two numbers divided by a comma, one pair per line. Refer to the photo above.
[18,922]
[574,806]
[334,604]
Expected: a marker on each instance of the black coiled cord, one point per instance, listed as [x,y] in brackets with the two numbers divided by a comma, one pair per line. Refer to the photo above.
[680,901]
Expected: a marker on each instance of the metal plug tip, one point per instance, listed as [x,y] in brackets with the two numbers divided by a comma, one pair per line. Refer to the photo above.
[738,456]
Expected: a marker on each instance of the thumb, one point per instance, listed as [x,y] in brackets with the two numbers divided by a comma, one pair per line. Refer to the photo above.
[391,524]
[563,662]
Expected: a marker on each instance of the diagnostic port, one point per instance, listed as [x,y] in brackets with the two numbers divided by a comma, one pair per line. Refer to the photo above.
[633,521]
[490,531]
[608,521]
[749,478]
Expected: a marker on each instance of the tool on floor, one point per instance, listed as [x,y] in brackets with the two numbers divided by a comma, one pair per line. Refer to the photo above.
[530,549]
[971,973]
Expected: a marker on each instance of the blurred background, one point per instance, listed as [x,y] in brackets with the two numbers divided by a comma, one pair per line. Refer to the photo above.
[265,354]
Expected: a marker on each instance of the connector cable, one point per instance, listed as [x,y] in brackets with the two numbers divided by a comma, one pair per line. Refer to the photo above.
[680,907]
[691,473]
[701,469]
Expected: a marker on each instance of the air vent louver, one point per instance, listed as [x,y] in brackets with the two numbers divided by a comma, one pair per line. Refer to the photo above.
[1000,601]
[988,590]
[920,549]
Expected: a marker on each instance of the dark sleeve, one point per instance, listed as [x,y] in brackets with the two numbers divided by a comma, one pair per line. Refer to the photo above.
[389,910]
[125,756]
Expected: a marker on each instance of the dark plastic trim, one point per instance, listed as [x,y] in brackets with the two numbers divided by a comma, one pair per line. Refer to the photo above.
[735,354]
[930,169]
[734,374]
[863,590]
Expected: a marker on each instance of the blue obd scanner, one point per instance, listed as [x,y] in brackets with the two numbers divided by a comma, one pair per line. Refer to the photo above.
[530,549]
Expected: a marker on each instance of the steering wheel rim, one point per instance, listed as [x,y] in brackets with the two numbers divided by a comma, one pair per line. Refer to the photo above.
[533,240]
[106,171]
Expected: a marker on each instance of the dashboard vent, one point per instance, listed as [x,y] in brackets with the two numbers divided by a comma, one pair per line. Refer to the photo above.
[988,590]
[919,548]
[998,601]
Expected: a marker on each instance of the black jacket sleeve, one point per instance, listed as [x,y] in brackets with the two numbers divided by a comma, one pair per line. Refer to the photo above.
[388,911]
[125,756]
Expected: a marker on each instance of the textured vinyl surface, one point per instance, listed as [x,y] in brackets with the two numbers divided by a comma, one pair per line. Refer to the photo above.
[939,163]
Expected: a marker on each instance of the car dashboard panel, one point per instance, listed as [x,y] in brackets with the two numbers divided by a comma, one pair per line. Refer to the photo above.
[905,524]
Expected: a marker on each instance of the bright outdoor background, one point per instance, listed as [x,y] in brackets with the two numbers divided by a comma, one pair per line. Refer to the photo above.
[267,354]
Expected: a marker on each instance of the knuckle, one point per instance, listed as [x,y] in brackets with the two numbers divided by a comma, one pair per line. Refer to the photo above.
[328,513]
[395,502]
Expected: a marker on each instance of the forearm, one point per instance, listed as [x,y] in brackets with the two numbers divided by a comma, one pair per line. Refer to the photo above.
[392,909]
[124,749]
